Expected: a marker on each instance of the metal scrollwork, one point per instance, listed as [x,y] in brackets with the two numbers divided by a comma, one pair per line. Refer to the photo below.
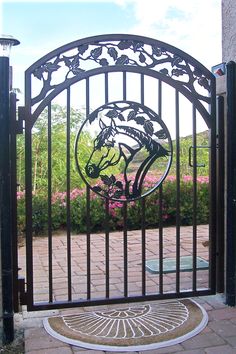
[131,139]
[124,52]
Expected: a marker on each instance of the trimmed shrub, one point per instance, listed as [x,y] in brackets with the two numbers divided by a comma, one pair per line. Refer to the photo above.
[97,220]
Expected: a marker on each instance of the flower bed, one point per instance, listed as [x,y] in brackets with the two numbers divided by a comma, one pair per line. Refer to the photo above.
[153,211]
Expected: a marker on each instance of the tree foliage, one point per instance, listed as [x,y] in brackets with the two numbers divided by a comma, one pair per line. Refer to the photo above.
[53,146]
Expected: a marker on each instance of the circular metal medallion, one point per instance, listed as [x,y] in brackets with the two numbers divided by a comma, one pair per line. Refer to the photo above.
[123,150]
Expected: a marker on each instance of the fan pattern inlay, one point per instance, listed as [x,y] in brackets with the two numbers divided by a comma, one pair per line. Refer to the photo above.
[132,322]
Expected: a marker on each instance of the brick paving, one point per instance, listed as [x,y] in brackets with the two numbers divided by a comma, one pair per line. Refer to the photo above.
[116,263]
[218,337]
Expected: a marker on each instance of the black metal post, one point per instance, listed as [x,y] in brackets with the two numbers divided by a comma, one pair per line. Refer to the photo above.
[220,197]
[231,186]
[13,131]
[5,204]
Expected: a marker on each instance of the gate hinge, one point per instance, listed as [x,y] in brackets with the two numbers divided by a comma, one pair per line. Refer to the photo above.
[16,126]
[21,291]
[21,119]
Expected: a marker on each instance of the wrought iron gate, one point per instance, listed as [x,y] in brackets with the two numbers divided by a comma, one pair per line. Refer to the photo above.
[137,97]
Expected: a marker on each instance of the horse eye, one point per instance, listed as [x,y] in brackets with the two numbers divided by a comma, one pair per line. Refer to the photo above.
[110,143]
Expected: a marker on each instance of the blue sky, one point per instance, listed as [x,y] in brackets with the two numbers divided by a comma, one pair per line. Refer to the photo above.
[42,27]
[192,25]
[59,22]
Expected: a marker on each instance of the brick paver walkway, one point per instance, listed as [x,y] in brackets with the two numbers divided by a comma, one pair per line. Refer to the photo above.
[217,338]
[116,263]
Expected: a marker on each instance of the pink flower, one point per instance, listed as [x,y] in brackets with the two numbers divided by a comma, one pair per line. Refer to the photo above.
[58,197]
[200,179]
[203,179]
[112,213]
[171,178]
[20,195]
[75,193]
[187,178]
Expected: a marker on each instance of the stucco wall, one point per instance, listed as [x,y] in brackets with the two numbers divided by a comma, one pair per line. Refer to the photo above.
[228,30]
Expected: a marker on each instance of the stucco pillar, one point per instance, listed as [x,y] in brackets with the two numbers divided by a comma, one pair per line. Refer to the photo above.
[228,30]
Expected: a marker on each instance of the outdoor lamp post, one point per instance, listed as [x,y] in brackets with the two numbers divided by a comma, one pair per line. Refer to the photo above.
[6,42]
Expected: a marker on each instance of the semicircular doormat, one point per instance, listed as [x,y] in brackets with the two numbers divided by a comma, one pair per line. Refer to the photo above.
[137,327]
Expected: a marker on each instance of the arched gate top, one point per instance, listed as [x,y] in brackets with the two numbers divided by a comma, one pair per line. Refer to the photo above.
[121,51]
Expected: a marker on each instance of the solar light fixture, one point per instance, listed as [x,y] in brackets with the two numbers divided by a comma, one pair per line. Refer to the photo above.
[6,42]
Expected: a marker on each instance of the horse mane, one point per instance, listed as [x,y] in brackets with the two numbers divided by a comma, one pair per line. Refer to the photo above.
[144,139]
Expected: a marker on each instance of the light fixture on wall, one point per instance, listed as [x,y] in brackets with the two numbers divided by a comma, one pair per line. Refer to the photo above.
[219,69]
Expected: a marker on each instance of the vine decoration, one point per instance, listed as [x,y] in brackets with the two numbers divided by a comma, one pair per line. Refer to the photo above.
[121,53]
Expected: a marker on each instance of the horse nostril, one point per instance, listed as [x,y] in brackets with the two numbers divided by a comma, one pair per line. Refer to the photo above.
[92,171]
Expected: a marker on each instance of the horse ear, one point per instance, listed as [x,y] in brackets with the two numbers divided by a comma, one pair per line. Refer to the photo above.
[102,125]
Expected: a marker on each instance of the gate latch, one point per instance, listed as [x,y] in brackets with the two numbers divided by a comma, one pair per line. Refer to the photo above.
[190,155]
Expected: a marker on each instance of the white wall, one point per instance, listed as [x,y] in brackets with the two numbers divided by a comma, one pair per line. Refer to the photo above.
[228,30]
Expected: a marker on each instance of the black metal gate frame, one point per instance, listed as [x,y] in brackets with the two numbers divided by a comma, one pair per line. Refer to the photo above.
[148,57]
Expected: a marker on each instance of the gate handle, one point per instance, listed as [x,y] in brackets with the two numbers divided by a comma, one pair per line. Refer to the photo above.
[190,155]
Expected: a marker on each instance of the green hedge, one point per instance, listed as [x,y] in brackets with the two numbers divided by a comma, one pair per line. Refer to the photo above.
[78,206]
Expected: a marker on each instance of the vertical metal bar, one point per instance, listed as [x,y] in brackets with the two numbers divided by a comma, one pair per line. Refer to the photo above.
[68,222]
[107,261]
[143,200]
[50,275]
[213,190]
[125,243]
[124,86]
[177,191]
[231,186]
[88,221]
[160,204]
[5,205]
[220,196]
[13,176]
[28,213]
[88,243]
[87,88]
[142,88]
[28,193]
[125,211]
[161,245]
[194,139]
[143,230]
[106,87]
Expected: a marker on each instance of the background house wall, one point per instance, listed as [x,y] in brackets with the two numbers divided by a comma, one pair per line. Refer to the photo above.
[228,30]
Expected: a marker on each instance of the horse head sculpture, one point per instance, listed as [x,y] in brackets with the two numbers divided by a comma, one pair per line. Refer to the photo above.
[127,130]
